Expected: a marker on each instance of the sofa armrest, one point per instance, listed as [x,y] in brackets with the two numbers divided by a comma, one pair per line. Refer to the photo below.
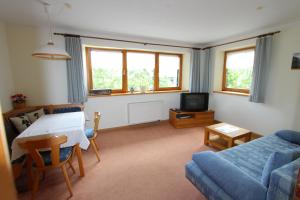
[229,177]
[283,180]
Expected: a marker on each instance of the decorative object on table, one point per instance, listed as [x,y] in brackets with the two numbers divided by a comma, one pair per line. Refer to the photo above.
[296,61]
[50,51]
[19,101]
[33,116]
[101,92]
[91,134]
[131,90]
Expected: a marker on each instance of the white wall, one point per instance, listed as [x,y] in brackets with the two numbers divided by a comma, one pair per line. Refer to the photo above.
[282,106]
[6,79]
[114,109]
[45,82]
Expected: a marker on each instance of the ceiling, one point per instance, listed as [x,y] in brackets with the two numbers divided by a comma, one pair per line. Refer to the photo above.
[189,21]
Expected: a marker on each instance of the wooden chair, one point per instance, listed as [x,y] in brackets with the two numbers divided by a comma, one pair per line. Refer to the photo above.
[91,134]
[44,160]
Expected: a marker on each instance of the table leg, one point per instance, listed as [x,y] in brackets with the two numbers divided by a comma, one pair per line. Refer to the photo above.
[79,158]
[206,136]
[230,143]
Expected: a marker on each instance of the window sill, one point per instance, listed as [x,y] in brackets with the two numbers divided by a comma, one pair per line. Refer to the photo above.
[138,93]
[232,93]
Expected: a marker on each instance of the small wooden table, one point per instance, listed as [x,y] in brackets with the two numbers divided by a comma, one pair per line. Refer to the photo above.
[225,132]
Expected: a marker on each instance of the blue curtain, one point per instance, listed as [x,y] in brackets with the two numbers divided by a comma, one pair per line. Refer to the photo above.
[260,69]
[200,77]
[76,85]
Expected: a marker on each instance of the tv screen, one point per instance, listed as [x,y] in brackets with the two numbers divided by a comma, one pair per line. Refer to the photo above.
[194,102]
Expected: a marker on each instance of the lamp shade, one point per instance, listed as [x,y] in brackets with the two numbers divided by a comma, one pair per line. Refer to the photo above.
[51,52]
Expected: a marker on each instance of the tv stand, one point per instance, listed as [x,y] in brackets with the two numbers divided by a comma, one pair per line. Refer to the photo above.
[180,119]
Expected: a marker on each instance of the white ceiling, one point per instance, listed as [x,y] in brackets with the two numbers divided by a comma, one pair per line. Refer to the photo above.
[190,21]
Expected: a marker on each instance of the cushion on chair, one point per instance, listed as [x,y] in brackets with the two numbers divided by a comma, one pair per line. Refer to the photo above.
[289,135]
[65,153]
[33,116]
[275,161]
[66,110]
[89,132]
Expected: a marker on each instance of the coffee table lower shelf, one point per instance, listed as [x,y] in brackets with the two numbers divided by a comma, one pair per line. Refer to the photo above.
[222,140]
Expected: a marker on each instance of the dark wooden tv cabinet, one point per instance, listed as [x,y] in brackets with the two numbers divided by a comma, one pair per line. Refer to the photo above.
[181,119]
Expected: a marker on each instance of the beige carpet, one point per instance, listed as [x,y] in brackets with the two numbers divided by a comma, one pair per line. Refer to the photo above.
[137,163]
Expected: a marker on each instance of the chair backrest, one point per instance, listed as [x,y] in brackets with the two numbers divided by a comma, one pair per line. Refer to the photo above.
[97,116]
[52,142]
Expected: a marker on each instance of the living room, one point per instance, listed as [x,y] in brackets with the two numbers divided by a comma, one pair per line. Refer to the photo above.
[134,122]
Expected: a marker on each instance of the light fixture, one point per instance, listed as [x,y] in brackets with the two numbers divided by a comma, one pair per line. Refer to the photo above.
[50,51]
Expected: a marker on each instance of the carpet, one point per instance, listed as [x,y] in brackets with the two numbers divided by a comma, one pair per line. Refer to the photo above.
[137,163]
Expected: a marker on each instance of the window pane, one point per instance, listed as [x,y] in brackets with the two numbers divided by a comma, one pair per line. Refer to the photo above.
[169,69]
[239,66]
[140,70]
[107,69]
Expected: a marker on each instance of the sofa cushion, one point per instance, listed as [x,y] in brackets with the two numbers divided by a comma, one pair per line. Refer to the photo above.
[223,173]
[33,116]
[251,157]
[289,135]
[277,160]
[21,122]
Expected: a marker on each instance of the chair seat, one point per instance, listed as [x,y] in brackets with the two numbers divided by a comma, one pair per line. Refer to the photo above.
[89,132]
[65,153]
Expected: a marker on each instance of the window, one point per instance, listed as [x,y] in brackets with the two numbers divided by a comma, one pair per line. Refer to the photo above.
[140,70]
[169,71]
[121,70]
[107,69]
[237,72]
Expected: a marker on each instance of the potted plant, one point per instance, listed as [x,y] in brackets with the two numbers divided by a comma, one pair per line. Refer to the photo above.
[19,101]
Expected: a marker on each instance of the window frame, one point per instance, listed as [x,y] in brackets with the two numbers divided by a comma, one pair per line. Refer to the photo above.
[124,89]
[224,80]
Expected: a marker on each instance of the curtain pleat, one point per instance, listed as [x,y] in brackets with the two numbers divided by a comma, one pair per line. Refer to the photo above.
[200,77]
[76,85]
[260,69]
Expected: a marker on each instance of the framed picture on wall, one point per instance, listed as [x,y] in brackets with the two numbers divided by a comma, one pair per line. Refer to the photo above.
[296,61]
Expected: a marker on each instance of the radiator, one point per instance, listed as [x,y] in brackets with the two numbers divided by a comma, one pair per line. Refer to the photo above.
[142,112]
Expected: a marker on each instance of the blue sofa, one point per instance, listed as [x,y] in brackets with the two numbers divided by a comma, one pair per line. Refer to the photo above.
[236,173]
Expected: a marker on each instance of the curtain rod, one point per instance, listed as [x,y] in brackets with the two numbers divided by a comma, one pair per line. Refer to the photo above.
[166,45]
[129,41]
[249,38]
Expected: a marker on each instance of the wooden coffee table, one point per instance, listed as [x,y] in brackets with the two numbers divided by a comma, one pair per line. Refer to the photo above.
[218,135]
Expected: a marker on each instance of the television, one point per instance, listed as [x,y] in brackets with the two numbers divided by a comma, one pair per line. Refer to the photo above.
[193,102]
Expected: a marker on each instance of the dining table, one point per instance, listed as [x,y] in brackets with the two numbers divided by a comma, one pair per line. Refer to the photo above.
[71,124]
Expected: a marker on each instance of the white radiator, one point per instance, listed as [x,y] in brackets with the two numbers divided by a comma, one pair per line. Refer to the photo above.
[142,112]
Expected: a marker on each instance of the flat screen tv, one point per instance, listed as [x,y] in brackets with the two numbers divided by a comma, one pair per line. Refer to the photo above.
[193,102]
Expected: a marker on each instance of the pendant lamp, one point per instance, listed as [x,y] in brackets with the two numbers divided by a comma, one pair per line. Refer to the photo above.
[50,51]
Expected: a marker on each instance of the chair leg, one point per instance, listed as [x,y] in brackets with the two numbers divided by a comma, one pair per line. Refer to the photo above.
[96,144]
[64,170]
[95,149]
[35,184]
[71,166]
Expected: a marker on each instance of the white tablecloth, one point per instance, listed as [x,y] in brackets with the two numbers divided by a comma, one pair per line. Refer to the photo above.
[69,124]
